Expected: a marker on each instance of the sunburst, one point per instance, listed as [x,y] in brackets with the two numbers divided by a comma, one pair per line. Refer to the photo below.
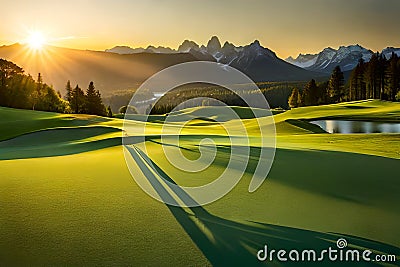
[36,40]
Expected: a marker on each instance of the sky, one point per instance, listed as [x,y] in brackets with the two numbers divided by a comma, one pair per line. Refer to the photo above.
[288,27]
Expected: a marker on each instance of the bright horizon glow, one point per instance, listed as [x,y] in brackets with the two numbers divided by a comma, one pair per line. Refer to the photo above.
[36,40]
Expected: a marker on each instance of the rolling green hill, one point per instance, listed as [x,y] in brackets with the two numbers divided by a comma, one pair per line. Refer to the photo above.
[67,198]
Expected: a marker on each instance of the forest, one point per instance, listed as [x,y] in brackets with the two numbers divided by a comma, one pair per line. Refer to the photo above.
[377,79]
[20,90]
[277,94]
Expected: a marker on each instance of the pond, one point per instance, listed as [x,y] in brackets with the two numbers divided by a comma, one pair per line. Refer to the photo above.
[348,127]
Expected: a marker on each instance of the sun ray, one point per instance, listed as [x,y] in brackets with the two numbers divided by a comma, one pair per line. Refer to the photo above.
[36,40]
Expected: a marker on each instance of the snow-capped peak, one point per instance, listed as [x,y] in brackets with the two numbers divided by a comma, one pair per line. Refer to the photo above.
[346,57]
[387,52]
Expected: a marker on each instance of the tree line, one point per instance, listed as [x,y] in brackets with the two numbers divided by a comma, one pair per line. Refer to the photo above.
[20,90]
[379,79]
[276,93]
[87,103]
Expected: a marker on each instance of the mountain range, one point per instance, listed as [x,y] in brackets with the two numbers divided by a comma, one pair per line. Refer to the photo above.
[258,62]
[128,68]
[346,57]
[123,67]
[242,57]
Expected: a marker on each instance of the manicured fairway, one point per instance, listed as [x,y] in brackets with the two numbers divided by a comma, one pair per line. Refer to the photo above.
[67,197]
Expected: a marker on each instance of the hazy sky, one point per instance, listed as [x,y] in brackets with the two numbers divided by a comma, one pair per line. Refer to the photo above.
[285,26]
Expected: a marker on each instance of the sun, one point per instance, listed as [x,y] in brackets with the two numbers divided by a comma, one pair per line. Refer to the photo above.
[36,40]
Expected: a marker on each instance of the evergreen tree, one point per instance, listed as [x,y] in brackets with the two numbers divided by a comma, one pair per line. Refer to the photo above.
[382,62]
[91,99]
[357,84]
[393,77]
[322,93]
[36,94]
[94,103]
[78,100]
[300,100]
[294,98]
[39,81]
[371,77]
[336,85]
[361,91]
[68,89]
[109,112]
[310,93]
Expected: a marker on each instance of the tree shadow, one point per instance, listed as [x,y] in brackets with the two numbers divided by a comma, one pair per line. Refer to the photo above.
[229,243]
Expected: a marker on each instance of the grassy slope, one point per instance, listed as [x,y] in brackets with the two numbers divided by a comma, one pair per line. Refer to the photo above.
[356,110]
[14,122]
[85,209]
[386,145]
[81,209]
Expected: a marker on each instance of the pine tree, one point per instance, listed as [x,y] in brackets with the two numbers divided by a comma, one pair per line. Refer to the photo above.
[39,81]
[109,112]
[294,98]
[371,76]
[361,91]
[357,82]
[392,77]
[322,93]
[310,93]
[36,94]
[382,65]
[300,100]
[78,100]
[91,99]
[69,90]
[94,103]
[336,85]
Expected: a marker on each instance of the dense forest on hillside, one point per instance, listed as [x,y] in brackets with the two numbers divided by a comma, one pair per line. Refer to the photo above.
[19,90]
[379,79]
[276,93]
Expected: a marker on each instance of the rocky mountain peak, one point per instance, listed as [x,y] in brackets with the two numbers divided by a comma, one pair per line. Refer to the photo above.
[214,45]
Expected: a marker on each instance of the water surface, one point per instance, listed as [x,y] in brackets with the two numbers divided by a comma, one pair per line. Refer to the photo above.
[349,127]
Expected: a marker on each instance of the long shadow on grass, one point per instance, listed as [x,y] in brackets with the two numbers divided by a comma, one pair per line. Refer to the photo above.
[229,243]
[59,142]
[65,141]
[352,177]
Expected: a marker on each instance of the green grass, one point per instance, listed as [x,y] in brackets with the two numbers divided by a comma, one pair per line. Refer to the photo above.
[14,122]
[369,110]
[67,198]
[85,209]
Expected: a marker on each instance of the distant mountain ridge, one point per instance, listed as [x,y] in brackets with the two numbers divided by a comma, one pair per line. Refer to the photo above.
[346,57]
[113,71]
[260,63]
[128,68]
[244,57]
[126,50]
[223,54]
